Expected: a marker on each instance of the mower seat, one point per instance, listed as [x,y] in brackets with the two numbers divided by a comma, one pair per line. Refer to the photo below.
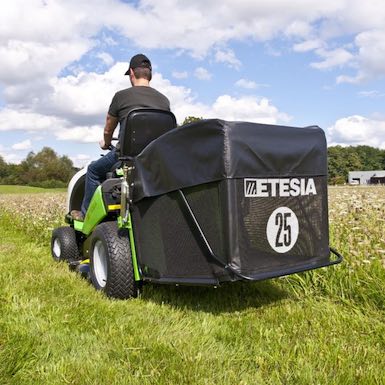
[141,127]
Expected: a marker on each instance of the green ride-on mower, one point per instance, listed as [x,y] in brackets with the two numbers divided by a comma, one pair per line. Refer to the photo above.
[201,204]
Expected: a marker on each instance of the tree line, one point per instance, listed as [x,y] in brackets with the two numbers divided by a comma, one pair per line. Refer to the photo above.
[44,169]
[48,169]
[341,160]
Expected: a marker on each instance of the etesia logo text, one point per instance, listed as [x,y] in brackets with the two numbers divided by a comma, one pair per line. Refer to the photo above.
[279,187]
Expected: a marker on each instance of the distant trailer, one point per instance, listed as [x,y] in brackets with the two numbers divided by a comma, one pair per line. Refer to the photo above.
[366,177]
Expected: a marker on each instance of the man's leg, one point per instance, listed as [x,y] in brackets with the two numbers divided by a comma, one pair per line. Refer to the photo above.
[96,174]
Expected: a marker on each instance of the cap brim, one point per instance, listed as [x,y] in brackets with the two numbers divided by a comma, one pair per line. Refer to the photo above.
[127,72]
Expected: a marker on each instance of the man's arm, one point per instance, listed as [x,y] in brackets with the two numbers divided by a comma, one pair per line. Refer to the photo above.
[109,128]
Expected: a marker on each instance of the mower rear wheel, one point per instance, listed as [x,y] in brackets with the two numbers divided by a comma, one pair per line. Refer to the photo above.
[63,244]
[111,267]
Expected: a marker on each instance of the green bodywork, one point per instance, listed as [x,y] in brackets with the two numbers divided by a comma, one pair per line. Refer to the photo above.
[128,226]
[95,214]
[78,226]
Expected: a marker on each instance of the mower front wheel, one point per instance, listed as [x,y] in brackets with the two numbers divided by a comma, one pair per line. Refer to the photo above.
[111,267]
[63,244]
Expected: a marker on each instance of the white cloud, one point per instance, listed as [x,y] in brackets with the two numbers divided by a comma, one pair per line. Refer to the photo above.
[248,84]
[24,145]
[34,44]
[180,75]
[364,21]
[11,120]
[332,58]
[202,74]
[308,45]
[371,48]
[25,61]
[222,22]
[80,160]
[35,18]
[38,39]
[298,28]
[183,102]
[106,58]
[247,108]
[371,94]
[82,134]
[81,100]
[62,129]
[76,107]
[228,57]
[86,95]
[357,130]
[356,79]
[11,157]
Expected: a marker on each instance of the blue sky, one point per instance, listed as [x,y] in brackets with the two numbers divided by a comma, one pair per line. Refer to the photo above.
[298,63]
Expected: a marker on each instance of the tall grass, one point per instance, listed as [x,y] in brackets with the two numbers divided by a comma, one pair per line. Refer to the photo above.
[321,327]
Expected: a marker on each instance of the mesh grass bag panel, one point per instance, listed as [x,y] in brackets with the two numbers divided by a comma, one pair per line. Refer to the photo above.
[167,248]
[275,229]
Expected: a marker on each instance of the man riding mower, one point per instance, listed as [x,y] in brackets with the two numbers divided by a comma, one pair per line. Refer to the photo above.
[202,204]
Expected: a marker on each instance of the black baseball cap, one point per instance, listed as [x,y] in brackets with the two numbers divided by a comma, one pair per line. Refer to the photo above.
[139,60]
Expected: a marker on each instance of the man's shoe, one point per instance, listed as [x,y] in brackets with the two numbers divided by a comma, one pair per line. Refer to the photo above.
[77,215]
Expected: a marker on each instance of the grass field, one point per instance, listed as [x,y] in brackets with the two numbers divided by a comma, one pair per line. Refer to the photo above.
[321,327]
[11,189]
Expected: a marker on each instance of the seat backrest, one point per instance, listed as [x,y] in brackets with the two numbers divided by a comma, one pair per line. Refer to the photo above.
[141,127]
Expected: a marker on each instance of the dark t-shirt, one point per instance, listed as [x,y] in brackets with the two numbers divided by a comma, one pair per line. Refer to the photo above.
[129,99]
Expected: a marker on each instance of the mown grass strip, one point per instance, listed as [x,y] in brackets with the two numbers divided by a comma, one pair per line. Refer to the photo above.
[55,329]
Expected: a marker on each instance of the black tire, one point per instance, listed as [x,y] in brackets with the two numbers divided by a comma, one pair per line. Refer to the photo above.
[111,267]
[63,244]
